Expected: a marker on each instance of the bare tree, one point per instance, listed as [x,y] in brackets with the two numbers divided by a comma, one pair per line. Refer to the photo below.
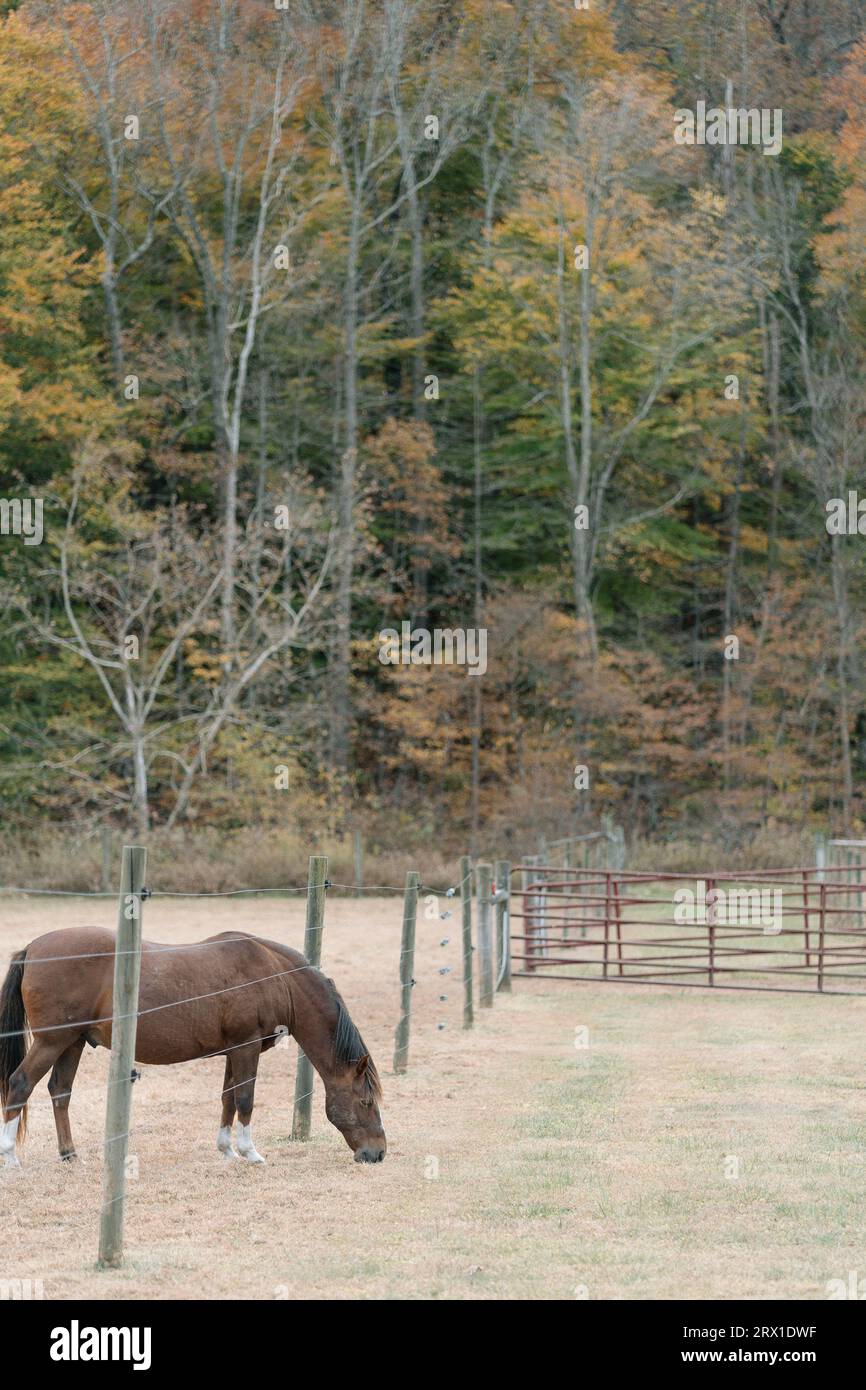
[129,607]
[118,194]
[236,131]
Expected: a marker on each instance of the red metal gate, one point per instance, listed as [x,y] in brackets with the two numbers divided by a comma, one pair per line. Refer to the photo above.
[798,930]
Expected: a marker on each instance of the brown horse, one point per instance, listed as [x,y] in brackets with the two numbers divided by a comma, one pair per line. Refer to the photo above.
[233,995]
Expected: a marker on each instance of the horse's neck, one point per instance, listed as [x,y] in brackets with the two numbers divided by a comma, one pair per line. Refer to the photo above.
[313,1016]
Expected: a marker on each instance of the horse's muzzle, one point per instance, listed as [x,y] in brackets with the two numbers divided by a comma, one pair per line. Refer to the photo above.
[368,1155]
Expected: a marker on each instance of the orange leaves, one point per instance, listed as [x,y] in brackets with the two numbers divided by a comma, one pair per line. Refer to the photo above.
[47,373]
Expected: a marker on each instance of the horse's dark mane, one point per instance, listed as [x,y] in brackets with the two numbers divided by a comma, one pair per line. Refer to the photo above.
[349,1046]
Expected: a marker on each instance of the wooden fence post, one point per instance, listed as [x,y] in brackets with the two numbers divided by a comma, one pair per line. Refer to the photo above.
[484,874]
[318,873]
[124,1024]
[503,926]
[407,968]
[466,909]
[359,864]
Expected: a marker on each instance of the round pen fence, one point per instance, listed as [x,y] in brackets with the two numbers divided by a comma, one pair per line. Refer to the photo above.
[800,930]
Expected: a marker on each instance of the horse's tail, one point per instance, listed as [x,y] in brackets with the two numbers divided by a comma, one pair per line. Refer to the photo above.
[14,1032]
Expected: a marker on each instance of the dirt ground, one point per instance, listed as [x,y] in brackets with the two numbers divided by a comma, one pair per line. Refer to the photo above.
[583,1141]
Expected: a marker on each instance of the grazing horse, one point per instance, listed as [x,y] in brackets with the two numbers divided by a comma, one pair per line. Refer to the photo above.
[233,995]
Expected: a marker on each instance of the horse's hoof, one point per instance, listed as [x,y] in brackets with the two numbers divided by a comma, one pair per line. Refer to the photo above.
[224,1142]
[11,1160]
[251,1156]
[69,1157]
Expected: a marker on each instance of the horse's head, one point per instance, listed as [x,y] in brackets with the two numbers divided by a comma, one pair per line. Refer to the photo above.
[352,1098]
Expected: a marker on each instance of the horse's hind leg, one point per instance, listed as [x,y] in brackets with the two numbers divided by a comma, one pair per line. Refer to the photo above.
[224,1138]
[41,1054]
[60,1088]
[245,1062]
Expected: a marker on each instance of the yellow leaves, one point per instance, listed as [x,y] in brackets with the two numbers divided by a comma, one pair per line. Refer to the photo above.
[409,489]
[10,389]
[205,666]
[753,539]
[62,409]
[46,381]
[42,110]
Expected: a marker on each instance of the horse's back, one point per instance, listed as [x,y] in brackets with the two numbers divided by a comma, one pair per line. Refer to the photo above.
[218,962]
[198,997]
[193,996]
[94,943]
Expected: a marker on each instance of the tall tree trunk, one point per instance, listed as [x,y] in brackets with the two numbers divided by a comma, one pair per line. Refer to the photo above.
[578,472]
[840,597]
[728,621]
[112,315]
[141,805]
[585,610]
[227,471]
[417,326]
[773,355]
[340,694]
[417,315]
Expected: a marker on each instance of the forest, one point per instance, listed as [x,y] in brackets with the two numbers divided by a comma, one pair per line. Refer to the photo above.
[323,321]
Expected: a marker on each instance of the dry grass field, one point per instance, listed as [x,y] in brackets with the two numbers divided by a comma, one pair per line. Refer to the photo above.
[704,1145]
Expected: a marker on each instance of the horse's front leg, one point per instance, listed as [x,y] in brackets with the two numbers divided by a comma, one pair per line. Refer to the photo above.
[245,1062]
[224,1138]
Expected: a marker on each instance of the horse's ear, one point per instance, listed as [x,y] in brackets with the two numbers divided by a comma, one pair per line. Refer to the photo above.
[361,1065]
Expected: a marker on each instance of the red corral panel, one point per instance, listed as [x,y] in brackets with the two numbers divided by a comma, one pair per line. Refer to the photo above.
[801,930]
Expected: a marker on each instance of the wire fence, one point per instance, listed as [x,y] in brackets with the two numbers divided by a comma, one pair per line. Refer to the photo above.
[114,1144]
[159,949]
[221,893]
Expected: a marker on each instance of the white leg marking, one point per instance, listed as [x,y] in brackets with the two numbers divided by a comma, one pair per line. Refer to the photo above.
[246,1147]
[8,1132]
[224,1142]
